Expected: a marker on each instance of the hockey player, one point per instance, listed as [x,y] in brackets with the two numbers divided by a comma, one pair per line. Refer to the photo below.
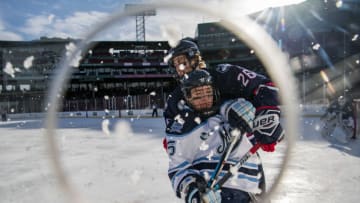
[340,113]
[195,148]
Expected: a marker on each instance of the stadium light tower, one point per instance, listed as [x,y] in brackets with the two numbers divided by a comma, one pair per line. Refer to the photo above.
[140,19]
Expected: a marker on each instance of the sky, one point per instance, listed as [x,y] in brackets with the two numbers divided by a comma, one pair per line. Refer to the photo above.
[23,20]
[124,161]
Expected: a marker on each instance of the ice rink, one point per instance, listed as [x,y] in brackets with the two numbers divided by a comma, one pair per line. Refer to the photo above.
[124,162]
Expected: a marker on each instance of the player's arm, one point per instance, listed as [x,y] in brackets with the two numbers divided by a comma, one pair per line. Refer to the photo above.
[177,113]
[235,81]
[267,127]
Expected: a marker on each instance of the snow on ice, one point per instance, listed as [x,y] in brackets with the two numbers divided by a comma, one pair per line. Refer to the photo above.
[122,160]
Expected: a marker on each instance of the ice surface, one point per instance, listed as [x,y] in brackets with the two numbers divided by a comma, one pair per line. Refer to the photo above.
[126,163]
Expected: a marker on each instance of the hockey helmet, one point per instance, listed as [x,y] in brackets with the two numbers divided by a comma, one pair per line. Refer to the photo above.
[199,92]
[187,47]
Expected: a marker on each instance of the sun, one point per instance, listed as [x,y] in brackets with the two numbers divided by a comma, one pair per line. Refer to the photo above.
[245,7]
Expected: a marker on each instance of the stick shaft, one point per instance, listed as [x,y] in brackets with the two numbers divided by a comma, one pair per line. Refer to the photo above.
[237,166]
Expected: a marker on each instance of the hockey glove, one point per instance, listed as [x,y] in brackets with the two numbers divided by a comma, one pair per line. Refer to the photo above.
[267,128]
[194,188]
[239,113]
[193,195]
[211,196]
[196,196]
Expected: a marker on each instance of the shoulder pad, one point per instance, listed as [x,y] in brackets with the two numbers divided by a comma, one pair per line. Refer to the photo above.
[222,68]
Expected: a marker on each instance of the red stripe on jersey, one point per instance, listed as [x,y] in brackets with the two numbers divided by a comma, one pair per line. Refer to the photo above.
[267,107]
[164,144]
[270,84]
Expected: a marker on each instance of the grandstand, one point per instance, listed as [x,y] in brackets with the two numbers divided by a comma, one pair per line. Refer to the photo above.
[112,75]
[131,74]
[23,88]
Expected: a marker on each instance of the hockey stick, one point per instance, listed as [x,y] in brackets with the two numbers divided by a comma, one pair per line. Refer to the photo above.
[223,159]
[243,159]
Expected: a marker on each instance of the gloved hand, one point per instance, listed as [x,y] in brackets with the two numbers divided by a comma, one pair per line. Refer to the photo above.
[239,113]
[211,196]
[193,195]
[267,128]
[195,191]
[196,196]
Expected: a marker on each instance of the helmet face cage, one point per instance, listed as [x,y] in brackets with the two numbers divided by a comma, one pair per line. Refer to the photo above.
[199,92]
[200,98]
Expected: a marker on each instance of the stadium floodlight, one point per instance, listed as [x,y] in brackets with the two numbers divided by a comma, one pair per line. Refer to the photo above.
[140,18]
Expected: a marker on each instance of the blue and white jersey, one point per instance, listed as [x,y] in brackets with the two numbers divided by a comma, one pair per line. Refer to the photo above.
[196,152]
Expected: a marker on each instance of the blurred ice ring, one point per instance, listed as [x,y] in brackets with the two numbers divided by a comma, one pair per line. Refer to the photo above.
[244,28]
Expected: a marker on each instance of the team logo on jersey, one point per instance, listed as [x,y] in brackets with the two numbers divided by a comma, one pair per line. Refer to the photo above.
[222,68]
[225,138]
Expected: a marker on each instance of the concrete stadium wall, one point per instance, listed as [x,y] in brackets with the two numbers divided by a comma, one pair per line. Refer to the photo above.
[306,110]
[90,114]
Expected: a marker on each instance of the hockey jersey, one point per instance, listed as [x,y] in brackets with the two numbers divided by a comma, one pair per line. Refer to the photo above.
[197,152]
